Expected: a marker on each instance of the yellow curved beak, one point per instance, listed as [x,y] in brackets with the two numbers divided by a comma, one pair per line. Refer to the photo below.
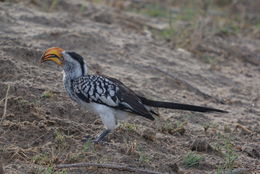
[53,54]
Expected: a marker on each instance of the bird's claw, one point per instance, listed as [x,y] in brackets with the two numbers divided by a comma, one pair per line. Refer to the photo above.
[97,140]
[100,138]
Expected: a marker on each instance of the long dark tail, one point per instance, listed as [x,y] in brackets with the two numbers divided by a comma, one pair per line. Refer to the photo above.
[171,105]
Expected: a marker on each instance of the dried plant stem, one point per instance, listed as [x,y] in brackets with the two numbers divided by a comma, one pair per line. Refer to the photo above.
[2,100]
[109,166]
[5,106]
[243,128]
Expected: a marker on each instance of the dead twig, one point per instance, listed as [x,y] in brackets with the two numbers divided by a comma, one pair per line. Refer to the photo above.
[109,166]
[2,100]
[5,106]
[238,171]
[246,130]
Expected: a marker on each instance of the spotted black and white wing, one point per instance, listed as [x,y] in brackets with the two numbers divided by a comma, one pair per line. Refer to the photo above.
[102,90]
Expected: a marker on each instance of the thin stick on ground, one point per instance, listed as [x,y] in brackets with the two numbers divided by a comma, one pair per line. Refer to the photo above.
[109,166]
[243,128]
[2,100]
[5,106]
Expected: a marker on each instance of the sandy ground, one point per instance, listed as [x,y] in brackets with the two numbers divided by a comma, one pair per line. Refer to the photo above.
[42,127]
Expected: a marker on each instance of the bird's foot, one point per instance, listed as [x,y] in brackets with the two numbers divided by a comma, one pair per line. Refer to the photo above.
[88,138]
[98,140]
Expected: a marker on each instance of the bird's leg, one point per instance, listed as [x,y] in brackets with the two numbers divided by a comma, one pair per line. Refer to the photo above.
[101,136]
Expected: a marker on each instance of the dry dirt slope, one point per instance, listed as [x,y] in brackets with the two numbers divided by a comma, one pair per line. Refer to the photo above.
[42,127]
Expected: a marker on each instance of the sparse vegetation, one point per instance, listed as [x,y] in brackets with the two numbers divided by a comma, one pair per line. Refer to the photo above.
[167,33]
[41,158]
[143,158]
[128,126]
[22,101]
[82,8]
[59,138]
[209,59]
[230,156]
[211,125]
[76,157]
[152,10]
[257,27]
[47,94]
[171,128]
[168,127]
[192,159]
[53,5]
[49,170]
[189,25]
[129,147]
[86,146]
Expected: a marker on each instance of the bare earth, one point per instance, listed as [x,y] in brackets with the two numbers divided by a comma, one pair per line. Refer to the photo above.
[42,127]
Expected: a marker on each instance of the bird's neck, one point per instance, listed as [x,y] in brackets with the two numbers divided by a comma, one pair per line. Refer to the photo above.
[72,71]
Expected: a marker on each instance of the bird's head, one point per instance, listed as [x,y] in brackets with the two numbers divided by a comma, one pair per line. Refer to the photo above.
[70,61]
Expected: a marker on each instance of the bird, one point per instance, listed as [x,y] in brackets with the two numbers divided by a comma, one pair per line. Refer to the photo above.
[107,97]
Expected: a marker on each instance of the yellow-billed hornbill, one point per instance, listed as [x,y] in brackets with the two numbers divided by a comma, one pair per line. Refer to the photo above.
[106,96]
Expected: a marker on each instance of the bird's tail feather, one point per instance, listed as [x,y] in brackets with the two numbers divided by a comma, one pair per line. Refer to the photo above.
[171,105]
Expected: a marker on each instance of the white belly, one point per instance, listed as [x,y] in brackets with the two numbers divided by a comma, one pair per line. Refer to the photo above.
[106,114]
